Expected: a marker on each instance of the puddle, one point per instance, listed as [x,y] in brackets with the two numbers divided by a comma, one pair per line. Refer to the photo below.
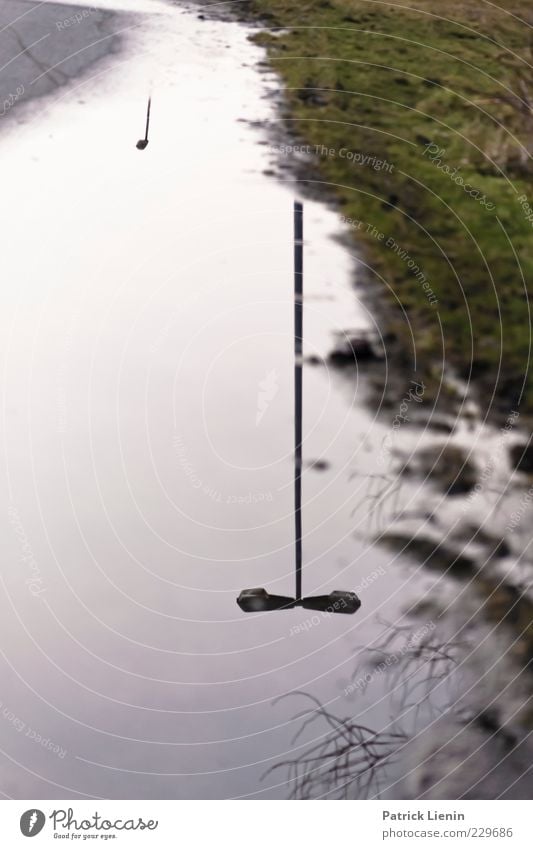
[145,325]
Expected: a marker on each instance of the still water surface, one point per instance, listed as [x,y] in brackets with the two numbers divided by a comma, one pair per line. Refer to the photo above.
[146,328]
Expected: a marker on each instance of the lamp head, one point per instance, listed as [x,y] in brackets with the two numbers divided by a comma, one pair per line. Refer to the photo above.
[141,144]
[338,601]
[257,600]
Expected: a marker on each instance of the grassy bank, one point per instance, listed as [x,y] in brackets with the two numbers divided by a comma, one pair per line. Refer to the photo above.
[419,119]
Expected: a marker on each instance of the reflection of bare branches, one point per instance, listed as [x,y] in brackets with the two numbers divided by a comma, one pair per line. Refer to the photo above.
[414,667]
[381,487]
[346,761]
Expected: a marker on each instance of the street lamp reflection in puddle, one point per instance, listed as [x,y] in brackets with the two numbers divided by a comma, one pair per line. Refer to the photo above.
[258,600]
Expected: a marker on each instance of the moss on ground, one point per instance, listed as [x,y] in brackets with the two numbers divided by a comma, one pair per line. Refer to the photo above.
[386,81]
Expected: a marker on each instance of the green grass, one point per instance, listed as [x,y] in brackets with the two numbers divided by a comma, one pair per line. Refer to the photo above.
[386,81]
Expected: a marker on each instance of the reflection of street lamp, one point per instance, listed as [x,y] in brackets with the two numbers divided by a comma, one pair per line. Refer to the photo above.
[257,600]
[142,143]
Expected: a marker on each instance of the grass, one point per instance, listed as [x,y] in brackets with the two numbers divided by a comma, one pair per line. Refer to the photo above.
[386,81]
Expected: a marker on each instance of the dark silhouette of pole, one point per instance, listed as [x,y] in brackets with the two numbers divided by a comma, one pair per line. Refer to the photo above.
[141,144]
[148,118]
[298,386]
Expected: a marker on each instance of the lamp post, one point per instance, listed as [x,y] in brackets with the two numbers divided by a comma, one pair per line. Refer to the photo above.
[142,143]
[258,600]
